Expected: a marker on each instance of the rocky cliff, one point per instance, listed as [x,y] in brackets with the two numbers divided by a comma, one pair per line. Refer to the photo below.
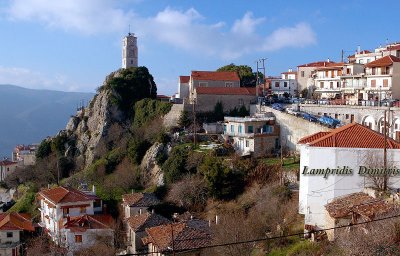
[90,126]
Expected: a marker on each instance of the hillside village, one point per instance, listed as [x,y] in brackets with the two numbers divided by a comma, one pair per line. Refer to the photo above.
[235,163]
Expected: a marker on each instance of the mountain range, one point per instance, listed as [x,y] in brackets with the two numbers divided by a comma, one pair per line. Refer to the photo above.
[29,115]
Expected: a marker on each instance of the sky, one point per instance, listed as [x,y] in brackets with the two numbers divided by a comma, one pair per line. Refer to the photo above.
[72,45]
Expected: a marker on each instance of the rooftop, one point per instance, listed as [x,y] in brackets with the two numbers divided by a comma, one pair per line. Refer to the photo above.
[7,162]
[359,203]
[148,220]
[185,237]
[353,135]
[16,221]
[140,200]
[248,119]
[84,222]
[184,79]
[317,64]
[215,75]
[383,62]
[226,90]
[66,195]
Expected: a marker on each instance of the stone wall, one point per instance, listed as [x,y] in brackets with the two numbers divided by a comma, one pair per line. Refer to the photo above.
[292,128]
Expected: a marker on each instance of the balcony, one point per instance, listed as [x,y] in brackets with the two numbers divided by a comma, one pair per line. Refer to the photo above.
[379,73]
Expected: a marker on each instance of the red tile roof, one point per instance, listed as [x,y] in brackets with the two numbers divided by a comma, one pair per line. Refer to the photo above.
[394,47]
[85,222]
[383,62]
[359,203]
[16,221]
[289,72]
[215,75]
[312,137]
[184,236]
[353,135]
[7,162]
[226,90]
[148,220]
[66,195]
[184,79]
[317,64]
[140,199]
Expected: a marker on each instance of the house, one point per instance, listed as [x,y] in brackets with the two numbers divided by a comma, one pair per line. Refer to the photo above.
[59,204]
[137,226]
[257,136]
[233,97]
[286,84]
[354,208]
[341,162]
[327,80]
[7,167]
[353,82]
[383,76]
[138,203]
[14,229]
[304,78]
[178,238]
[25,154]
[183,88]
[85,230]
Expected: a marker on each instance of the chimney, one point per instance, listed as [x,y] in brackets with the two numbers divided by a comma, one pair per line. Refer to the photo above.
[358,49]
[290,70]
[94,189]
[328,60]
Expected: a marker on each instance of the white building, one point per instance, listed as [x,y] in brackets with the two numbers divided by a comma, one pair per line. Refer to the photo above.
[327,80]
[59,204]
[383,78]
[286,84]
[183,88]
[256,136]
[129,51]
[15,228]
[345,149]
[83,231]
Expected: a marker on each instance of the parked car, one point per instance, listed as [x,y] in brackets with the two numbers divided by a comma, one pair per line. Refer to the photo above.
[309,117]
[328,121]
[278,106]
[297,100]
[293,111]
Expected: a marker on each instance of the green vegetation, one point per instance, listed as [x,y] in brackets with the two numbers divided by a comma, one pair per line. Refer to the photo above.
[44,149]
[27,201]
[148,109]
[297,248]
[132,85]
[246,74]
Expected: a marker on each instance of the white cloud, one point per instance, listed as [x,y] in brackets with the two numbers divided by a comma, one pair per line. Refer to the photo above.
[186,30]
[87,17]
[36,80]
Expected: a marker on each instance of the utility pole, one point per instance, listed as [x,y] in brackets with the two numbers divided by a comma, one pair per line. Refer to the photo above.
[385,131]
[194,120]
[257,80]
[264,78]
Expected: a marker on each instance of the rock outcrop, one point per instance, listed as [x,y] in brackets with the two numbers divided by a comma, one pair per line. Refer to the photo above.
[153,174]
[90,126]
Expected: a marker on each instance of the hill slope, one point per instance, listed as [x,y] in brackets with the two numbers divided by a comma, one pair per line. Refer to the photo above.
[29,116]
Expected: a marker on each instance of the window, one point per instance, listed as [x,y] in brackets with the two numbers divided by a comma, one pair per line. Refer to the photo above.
[385,83]
[232,128]
[373,71]
[241,103]
[331,85]
[326,73]
[228,84]
[240,129]
[9,234]
[224,128]
[347,116]
[131,61]
[250,129]
[321,84]
[373,83]
[203,84]
[302,73]
[247,143]
[348,71]
[284,84]
[78,238]
[82,210]
[65,212]
[276,84]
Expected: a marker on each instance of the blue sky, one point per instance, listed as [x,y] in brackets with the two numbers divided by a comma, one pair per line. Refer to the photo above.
[72,45]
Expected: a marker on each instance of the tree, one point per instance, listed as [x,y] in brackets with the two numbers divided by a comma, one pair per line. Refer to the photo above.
[219,111]
[130,86]
[246,75]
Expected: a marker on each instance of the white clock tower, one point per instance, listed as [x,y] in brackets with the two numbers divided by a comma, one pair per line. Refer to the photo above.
[129,51]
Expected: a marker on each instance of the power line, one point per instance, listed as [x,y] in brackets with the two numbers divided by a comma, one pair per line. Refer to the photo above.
[269,238]
[286,236]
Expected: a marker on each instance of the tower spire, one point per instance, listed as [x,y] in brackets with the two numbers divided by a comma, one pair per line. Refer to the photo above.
[129,33]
